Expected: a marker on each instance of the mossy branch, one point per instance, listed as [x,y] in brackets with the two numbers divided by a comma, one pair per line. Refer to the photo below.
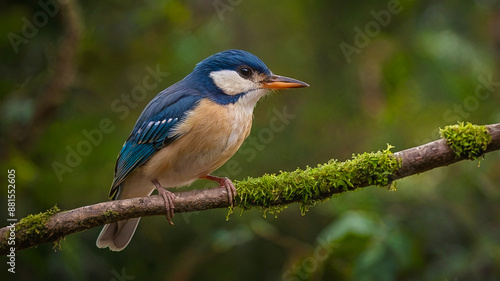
[270,192]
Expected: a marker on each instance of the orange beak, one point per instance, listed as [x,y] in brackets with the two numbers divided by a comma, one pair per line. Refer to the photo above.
[282,82]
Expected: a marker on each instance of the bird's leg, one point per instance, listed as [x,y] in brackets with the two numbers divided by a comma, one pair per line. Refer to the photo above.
[224,182]
[168,198]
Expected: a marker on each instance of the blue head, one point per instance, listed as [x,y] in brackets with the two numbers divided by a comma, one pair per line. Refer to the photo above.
[233,60]
[228,76]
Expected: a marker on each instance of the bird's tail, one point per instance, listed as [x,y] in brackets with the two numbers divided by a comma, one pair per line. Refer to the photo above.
[117,235]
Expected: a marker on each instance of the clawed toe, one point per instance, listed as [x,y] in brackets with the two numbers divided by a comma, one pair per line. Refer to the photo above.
[168,198]
[226,183]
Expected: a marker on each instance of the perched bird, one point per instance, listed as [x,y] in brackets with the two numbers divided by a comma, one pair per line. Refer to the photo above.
[189,130]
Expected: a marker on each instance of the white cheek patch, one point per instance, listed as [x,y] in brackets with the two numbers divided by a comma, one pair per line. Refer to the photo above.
[231,82]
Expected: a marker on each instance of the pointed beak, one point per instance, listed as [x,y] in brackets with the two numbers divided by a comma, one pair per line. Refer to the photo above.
[282,82]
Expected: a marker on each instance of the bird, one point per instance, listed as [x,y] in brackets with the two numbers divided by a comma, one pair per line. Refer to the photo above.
[189,130]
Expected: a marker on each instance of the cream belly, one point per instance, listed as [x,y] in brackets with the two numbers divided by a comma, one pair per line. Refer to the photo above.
[211,135]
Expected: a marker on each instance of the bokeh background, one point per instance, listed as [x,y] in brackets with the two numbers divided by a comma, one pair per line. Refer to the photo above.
[380,72]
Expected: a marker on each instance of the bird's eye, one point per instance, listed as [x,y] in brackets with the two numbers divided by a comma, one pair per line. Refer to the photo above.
[245,71]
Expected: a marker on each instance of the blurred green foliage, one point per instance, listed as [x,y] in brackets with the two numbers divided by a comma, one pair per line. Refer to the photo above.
[413,66]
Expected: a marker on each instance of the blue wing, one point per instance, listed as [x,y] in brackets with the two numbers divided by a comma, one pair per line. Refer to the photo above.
[153,131]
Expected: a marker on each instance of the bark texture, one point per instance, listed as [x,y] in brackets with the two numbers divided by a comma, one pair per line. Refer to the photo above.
[45,228]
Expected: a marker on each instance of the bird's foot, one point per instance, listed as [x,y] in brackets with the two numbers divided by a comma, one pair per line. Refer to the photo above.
[168,198]
[226,183]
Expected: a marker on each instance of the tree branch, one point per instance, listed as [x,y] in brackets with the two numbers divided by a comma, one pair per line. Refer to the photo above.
[271,191]
[437,154]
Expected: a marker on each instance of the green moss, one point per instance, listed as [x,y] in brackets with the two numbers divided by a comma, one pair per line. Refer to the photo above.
[34,225]
[110,214]
[467,141]
[272,193]
[56,245]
